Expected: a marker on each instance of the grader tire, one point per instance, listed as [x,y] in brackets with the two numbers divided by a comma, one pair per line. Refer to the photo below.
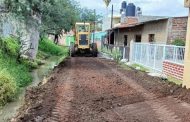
[72,50]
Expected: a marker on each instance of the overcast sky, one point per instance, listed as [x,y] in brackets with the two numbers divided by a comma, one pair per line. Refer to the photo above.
[149,7]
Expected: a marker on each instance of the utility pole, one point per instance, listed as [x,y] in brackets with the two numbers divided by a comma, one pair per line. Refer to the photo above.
[111,25]
[112,17]
[186,79]
[94,25]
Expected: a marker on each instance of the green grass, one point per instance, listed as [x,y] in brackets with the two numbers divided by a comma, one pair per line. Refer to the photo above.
[14,74]
[174,80]
[19,71]
[124,66]
[8,88]
[49,47]
[10,46]
[115,54]
[143,69]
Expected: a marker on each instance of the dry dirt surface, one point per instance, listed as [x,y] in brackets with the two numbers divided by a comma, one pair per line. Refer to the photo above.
[85,89]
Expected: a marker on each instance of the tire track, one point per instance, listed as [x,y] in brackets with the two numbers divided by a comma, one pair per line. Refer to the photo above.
[162,111]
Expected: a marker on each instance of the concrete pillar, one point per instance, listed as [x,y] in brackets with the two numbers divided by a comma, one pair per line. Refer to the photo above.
[186,80]
[131,51]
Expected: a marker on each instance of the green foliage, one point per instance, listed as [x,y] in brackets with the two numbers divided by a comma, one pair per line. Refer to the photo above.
[20,71]
[13,74]
[174,80]
[50,47]
[107,51]
[107,2]
[10,46]
[30,63]
[8,87]
[42,55]
[179,42]
[142,68]
[55,15]
[116,54]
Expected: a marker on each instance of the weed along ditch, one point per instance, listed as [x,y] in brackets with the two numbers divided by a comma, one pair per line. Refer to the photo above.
[11,109]
[20,72]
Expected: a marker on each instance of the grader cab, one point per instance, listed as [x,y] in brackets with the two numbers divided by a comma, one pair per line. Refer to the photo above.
[82,44]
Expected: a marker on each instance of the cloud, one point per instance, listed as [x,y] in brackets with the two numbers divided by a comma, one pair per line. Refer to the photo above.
[149,7]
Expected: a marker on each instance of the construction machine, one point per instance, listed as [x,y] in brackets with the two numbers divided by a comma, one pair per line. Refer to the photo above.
[82,45]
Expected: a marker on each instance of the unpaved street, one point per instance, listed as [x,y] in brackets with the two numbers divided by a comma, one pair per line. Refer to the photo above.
[84,89]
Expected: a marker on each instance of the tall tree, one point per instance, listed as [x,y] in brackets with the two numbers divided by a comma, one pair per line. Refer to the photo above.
[107,2]
[44,17]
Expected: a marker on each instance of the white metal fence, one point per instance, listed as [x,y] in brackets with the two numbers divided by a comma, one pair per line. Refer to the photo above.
[153,55]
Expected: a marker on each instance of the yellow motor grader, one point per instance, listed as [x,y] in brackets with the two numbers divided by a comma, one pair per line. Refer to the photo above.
[82,44]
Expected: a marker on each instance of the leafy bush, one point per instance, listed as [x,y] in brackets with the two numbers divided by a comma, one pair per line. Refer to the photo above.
[10,46]
[8,87]
[48,46]
[20,71]
[179,42]
[30,63]
[116,54]
[42,55]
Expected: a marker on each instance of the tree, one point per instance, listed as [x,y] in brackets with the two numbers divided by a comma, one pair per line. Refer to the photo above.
[107,2]
[28,12]
[88,15]
[44,17]
[62,16]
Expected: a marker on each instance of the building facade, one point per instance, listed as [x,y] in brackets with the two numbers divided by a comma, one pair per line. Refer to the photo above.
[160,31]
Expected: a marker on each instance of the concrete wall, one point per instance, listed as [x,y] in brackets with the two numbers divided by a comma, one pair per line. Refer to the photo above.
[159,28]
[131,33]
[177,28]
[28,32]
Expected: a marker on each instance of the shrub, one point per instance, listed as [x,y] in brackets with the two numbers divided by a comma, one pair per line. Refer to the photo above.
[8,88]
[20,71]
[48,46]
[30,63]
[42,55]
[179,42]
[116,54]
[10,46]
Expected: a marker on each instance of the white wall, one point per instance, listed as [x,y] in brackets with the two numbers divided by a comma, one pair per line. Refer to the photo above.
[159,28]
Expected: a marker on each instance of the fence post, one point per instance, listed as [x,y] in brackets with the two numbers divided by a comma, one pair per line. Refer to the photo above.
[147,54]
[164,53]
[131,51]
[141,53]
[174,55]
[124,52]
[155,48]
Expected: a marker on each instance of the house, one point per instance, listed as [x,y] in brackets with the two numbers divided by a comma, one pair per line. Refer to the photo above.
[148,29]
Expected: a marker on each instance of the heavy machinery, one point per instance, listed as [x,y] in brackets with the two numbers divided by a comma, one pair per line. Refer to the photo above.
[82,45]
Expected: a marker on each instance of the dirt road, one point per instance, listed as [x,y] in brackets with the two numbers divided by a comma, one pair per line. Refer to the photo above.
[97,90]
